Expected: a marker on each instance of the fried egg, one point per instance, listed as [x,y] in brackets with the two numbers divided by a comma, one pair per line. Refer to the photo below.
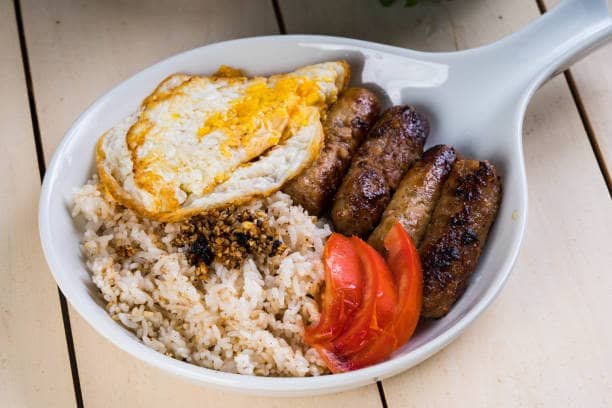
[200,142]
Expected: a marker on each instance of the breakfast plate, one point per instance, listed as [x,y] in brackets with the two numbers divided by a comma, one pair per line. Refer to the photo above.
[475,100]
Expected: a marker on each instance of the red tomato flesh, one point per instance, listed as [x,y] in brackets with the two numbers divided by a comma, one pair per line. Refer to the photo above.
[384,301]
[403,259]
[343,289]
[405,263]
[356,333]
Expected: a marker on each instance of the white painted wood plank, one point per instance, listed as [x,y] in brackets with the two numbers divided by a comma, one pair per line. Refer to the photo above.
[430,26]
[593,78]
[34,366]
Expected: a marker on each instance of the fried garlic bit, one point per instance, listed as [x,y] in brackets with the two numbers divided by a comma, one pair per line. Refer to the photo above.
[228,236]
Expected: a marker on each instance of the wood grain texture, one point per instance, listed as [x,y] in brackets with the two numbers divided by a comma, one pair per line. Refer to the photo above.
[430,26]
[545,340]
[34,366]
[80,49]
[593,79]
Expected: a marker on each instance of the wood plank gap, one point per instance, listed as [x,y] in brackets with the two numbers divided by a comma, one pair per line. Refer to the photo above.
[30,89]
[588,128]
[584,118]
[76,382]
[279,17]
[381,393]
[41,170]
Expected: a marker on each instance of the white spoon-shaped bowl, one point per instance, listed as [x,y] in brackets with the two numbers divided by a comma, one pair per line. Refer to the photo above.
[475,99]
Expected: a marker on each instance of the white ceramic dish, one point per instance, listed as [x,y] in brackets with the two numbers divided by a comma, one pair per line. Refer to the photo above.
[475,98]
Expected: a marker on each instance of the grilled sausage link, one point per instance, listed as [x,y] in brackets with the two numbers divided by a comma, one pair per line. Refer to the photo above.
[417,195]
[456,235]
[392,146]
[345,127]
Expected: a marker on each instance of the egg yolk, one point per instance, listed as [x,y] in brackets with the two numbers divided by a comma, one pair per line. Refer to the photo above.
[280,108]
[225,71]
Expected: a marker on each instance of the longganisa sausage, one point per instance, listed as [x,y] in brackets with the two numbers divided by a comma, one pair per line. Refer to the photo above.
[457,233]
[346,125]
[417,195]
[392,146]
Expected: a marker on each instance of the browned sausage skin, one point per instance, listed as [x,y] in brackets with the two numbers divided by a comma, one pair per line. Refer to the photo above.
[417,195]
[345,127]
[456,235]
[392,146]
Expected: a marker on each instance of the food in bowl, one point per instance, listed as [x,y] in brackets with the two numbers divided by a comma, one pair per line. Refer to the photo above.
[246,319]
[227,224]
[200,142]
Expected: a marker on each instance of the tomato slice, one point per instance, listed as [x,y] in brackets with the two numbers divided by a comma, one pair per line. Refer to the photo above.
[404,261]
[343,289]
[385,300]
[355,334]
[377,350]
[390,306]
[334,361]
[386,296]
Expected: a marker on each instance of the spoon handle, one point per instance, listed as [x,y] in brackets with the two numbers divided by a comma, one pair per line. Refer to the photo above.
[554,41]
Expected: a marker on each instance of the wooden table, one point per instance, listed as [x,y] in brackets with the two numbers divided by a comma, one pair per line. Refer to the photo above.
[545,341]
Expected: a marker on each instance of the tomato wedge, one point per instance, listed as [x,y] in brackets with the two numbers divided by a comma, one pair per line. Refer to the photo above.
[386,296]
[384,302]
[382,339]
[334,361]
[403,259]
[372,353]
[405,263]
[343,289]
[355,334]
